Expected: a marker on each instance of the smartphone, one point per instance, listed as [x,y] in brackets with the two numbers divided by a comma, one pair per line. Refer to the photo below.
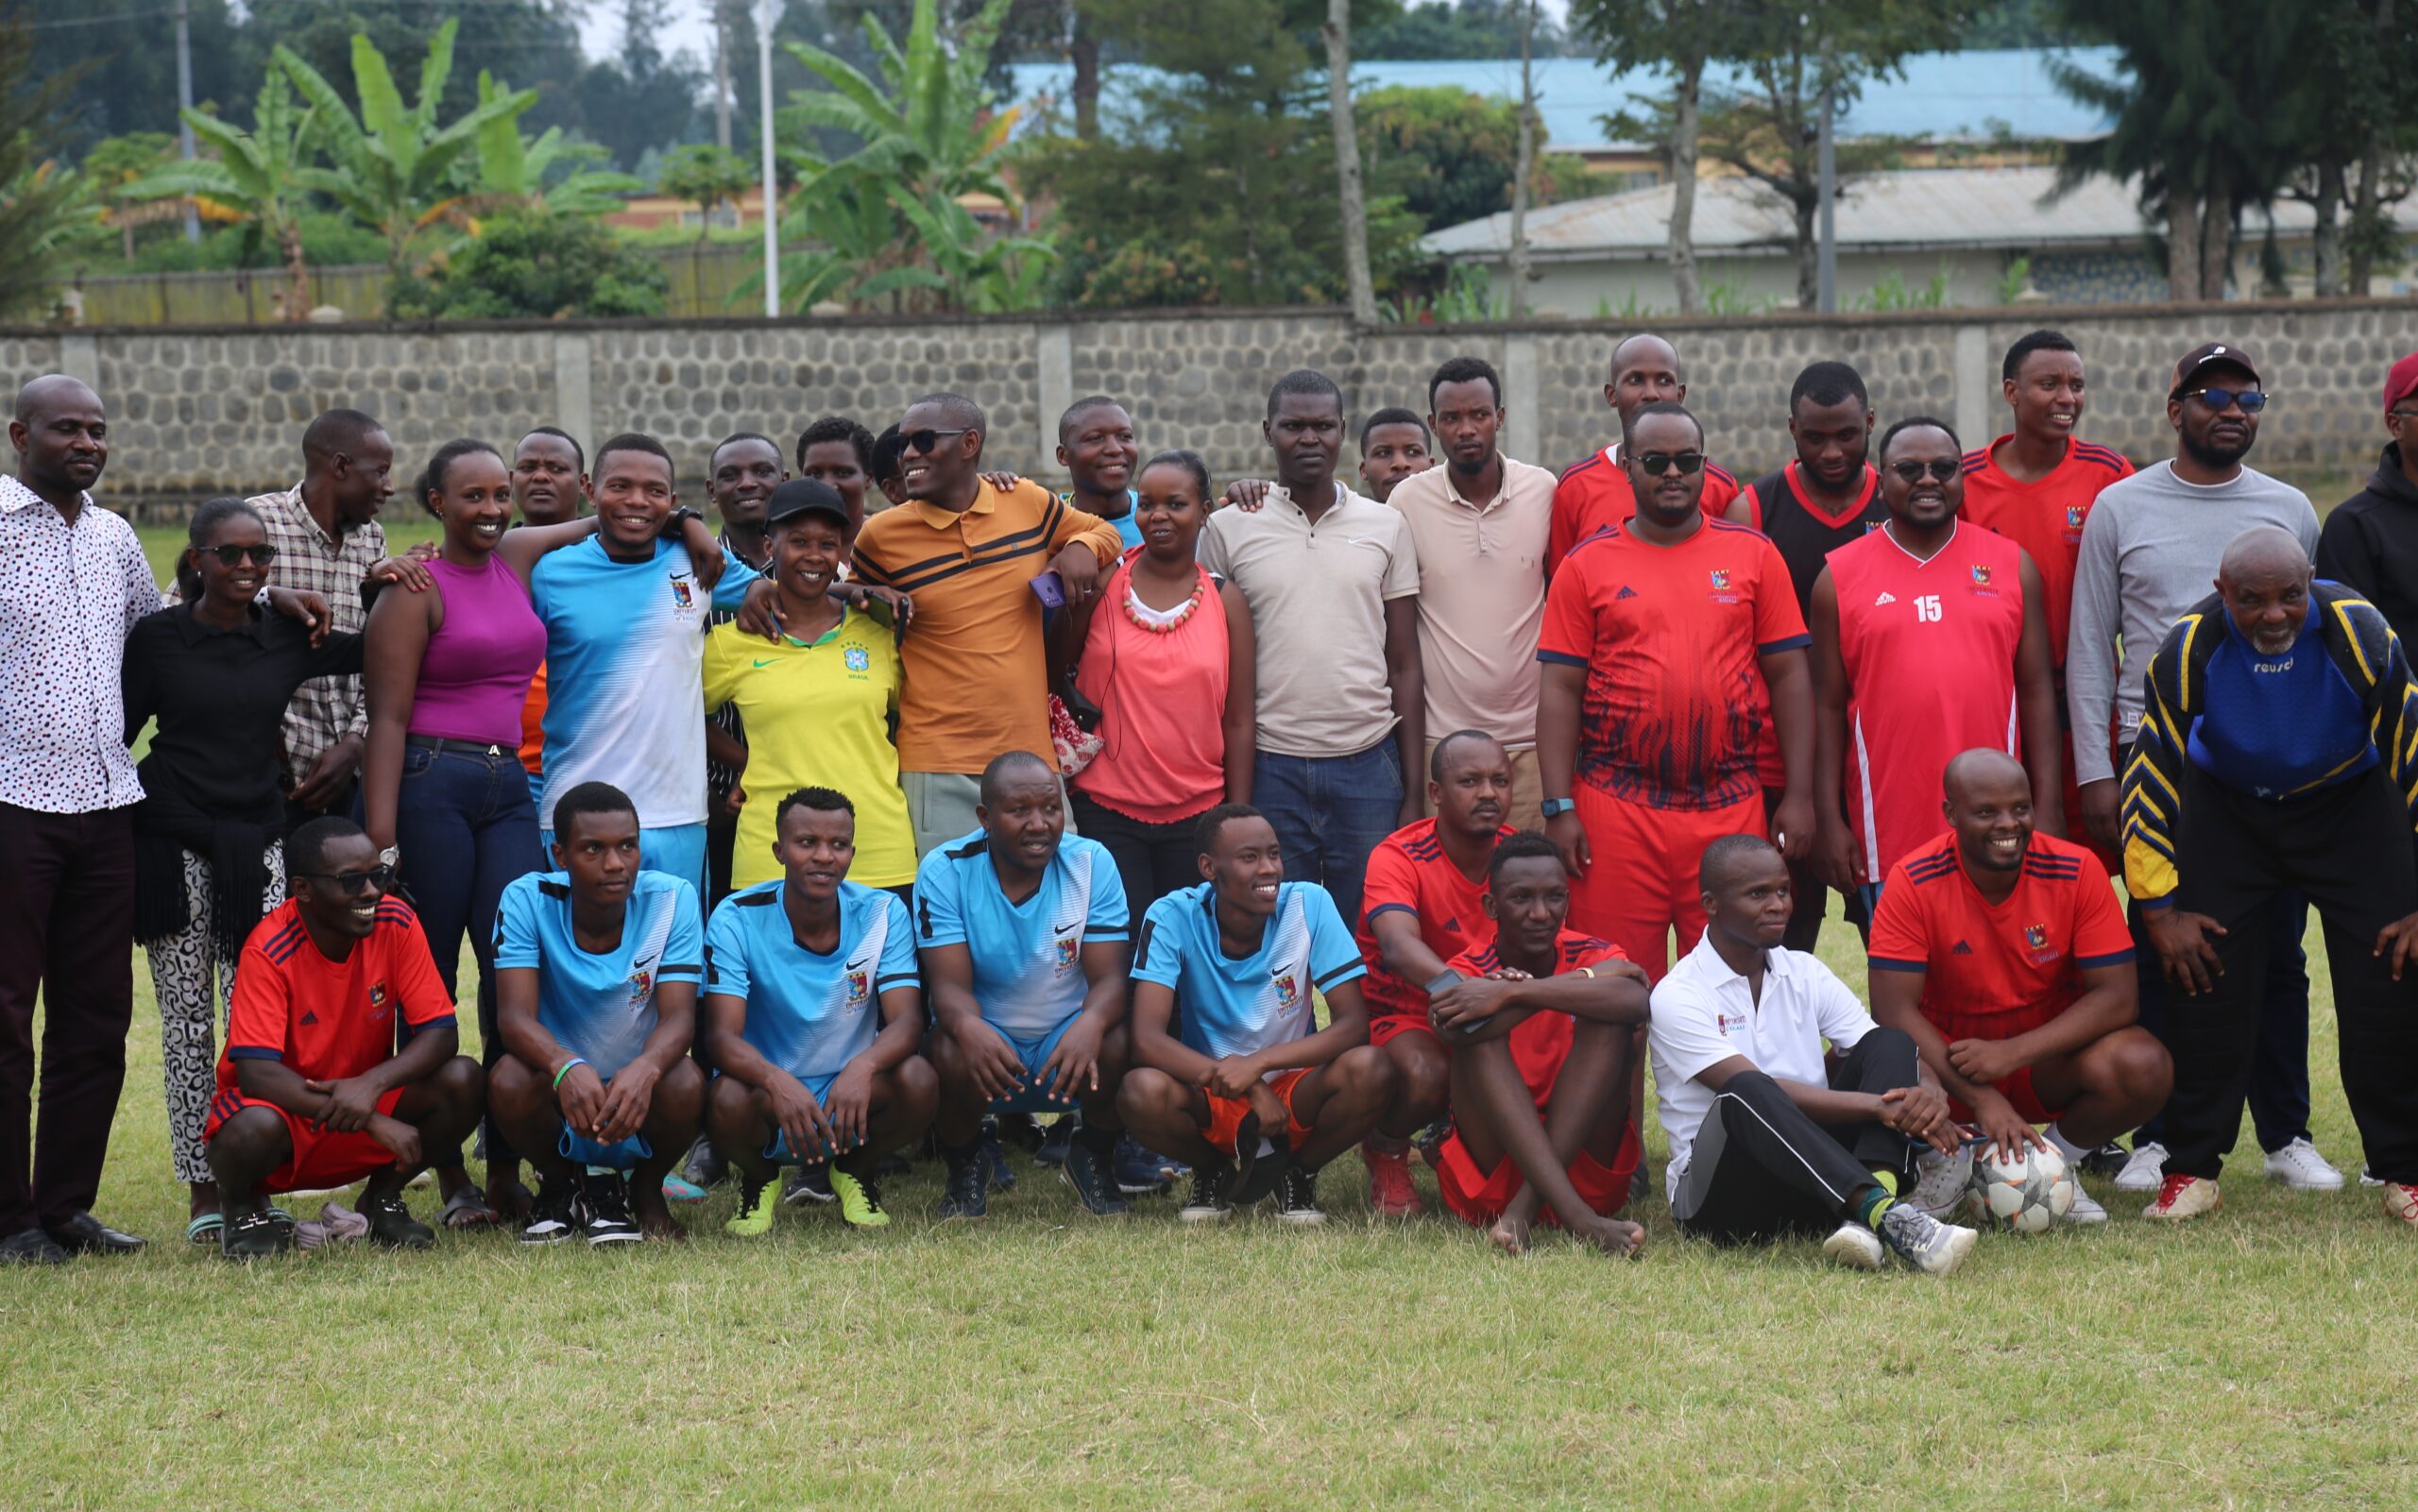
[1051,589]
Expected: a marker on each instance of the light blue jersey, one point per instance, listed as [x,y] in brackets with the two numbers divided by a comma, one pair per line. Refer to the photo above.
[1228,1007]
[1027,957]
[1129,530]
[623,644]
[600,1006]
[807,1013]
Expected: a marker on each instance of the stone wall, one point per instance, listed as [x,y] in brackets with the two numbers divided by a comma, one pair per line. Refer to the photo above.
[206,411]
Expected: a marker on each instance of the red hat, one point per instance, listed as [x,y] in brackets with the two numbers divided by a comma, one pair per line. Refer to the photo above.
[2401,382]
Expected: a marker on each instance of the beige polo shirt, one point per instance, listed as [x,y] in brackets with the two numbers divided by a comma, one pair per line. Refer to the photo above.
[1317,597]
[1481,598]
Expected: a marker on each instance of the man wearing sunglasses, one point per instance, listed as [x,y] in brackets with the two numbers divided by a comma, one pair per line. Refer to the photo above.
[2149,551]
[1928,639]
[312,1091]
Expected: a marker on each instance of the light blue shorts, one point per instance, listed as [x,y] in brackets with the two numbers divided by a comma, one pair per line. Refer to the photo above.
[679,850]
[778,1152]
[1034,1096]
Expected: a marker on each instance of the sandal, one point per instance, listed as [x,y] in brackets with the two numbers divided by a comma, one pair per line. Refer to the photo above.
[206,1229]
[468,1209]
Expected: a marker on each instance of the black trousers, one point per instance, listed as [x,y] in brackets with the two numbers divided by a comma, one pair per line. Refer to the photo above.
[1152,861]
[2347,850]
[66,934]
[1761,1168]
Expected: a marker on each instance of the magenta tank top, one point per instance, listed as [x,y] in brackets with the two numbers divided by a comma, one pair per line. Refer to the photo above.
[474,676]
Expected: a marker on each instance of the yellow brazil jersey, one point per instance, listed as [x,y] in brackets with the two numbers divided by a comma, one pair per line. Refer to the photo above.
[816,716]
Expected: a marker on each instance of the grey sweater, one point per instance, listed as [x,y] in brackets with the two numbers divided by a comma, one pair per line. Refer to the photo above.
[2149,551]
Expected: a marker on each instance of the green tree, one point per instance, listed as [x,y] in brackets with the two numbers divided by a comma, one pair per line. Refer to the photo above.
[552,174]
[255,179]
[1675,37]
[705,176]
[525,264]
[391,165]
[1449,30]
[116,164]
[2356,130]
[1450,155]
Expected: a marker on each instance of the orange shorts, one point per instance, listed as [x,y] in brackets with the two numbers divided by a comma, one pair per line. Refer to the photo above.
[1478,1197]
[321,1157]
[1641,886]
[1226,1113]
[1387,1028]
[2017,1089]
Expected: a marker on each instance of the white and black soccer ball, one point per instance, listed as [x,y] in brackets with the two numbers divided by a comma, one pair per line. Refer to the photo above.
[2025,1192]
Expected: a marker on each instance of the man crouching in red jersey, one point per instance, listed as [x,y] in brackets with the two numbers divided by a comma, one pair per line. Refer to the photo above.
[311,1090]
[1541,1025]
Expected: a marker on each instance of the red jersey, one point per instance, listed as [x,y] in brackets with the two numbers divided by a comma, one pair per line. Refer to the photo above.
[2019,957]
[1409,871]
[1540,1043]
[2044,518]
[329,1019]
[1670,636]
[1806,535]
[1595,495]
[1930,653]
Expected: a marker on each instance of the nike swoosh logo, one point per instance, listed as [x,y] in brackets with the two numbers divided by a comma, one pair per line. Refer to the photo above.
[1065,929]
[761,663]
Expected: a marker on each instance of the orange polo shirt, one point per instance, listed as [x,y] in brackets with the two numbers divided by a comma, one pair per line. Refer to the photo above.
[977,678]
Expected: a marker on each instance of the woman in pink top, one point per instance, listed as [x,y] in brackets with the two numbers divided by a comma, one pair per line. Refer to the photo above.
[1167,659]
[447,671]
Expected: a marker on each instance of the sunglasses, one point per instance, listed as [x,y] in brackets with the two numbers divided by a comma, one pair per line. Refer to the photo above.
[927,438]
[1940,468]
[1655,464]
[2220,400]
[261,555]
[351,884]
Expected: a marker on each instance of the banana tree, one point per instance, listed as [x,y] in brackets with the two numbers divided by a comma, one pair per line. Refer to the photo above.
[511,170]
[390,165]
[257,178]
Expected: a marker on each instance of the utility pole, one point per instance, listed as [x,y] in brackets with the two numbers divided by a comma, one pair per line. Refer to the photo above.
[184,102]
[768,15]
[722,74]
[1827,174]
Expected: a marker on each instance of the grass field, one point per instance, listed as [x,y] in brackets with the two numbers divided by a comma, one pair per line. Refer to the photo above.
[1039,1358]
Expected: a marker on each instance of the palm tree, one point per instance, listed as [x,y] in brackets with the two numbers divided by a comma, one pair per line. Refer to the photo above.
[256,179]
[510,170]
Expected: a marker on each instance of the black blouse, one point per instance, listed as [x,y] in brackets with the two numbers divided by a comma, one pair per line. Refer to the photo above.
[220,697]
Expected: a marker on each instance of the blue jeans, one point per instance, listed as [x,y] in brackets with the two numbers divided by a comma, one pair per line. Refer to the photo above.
[467,828]
[2279,1076]
[1330,812]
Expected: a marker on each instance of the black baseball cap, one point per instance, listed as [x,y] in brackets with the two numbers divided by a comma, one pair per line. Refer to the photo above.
[2212,354]
[806,495]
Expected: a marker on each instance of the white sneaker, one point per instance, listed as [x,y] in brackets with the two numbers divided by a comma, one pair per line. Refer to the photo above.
[2145,1171]
[1941,1181]
[2299,1167]
[2368,1176]
[2084,1210]
[1854,1247]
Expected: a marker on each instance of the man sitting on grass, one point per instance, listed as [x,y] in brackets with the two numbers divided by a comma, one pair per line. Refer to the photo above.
[1540,1023]
[1022,929]
[596,999]
[1235,961]
[810,1069]
[311,1090]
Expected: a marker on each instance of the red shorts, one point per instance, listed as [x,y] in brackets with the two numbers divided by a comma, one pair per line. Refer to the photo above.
[1479,1198]
[1641,882]
[1387,1028]
[1226,1113]
[2017,1089]
[321,1157]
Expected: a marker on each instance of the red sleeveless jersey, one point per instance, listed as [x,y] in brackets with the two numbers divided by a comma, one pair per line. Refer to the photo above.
[1930,652]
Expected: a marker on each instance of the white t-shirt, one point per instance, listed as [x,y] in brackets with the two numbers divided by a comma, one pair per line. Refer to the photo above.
[1704,1013]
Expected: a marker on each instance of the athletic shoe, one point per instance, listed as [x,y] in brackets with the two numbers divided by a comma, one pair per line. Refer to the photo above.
[1390,1189]
[2106,1160]
[2299,1167]
[1855,1247]
[392,1226]
[2184,1197]
[606,1203]
[1922,1241]
[967,1192]
[555,1216]
[703,1168]
[2401,1202]
[1141,1170]
[1299,1203]
[756,1204]
[1089,1175]
[996,1156]
[1262,1181]
[678,1188]
[2368,1176]
[1054,1140]
[2084,1210]
[1941,1181]
[1209,1201]
[859,1201]
[810,1183]
[1640,1184]
[252,1236]
[2145,1170]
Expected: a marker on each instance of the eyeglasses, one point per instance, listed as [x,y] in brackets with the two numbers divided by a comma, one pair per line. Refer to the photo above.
[1655,464]
[351,884]
[261,555]
[1940,468]
[2220,400]
[927,438]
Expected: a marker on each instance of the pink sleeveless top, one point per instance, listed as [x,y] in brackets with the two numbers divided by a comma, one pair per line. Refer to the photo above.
[474,676]
[1163,707]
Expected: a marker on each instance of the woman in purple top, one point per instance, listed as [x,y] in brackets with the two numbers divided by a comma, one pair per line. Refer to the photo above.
[446,668]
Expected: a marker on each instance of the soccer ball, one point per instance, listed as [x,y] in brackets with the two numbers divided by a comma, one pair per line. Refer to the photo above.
[2026,1191]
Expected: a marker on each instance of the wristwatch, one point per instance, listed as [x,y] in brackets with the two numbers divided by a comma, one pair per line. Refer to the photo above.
[1556,808]
[676,520]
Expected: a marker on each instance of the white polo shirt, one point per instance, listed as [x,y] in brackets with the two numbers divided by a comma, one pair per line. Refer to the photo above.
[1704,1013]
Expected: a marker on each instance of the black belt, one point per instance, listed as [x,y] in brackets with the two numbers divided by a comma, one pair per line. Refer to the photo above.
[469,748]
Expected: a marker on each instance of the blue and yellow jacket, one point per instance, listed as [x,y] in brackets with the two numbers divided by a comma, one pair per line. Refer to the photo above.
[2362,647]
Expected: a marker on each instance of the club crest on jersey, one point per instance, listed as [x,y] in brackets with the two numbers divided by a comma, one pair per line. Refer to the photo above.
[2073,516]
[1069,951]
[684,599]
[856,659]
[377,1000]
[2037,937]
[860,987]
[641,983]
[1288,990]
[1720,578]
[1728,1023]
[1981,576]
